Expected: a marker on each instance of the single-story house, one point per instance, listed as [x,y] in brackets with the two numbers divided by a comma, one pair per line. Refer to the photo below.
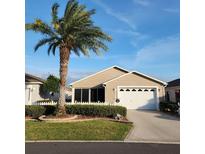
[173,91]
[34,94]
[119,86]
[32,89]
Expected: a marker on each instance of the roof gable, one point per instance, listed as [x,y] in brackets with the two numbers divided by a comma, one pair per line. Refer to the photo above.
[111,76]
[32,78]
[140,74]
[174,83]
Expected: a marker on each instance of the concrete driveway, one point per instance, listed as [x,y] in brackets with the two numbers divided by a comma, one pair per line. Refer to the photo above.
[153,126]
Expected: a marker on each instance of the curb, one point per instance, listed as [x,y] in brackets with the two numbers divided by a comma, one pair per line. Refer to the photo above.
[96,141]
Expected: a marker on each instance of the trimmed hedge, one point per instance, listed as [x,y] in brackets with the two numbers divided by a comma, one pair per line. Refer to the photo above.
[46,109]
[50,109]
[88,110]
[168,106]
[34,111]
[96,110]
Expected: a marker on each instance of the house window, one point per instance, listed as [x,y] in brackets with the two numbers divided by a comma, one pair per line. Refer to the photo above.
[145,90]
[85,95]
[98,95]
[167,96]
[81,95]
[177,96]
[152,90]
[94,95]
[140,90]
[127,90]
[78,95]
[101,94]
[121,90]
[133,90]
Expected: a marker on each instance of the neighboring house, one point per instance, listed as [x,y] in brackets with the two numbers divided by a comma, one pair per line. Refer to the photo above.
[32,89]
[33,92]
[173,91]
[118,86]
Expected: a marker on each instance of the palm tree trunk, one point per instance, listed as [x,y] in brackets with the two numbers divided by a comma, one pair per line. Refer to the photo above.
[64,59]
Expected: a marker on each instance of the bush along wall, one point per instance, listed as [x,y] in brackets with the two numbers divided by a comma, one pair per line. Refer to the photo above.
[88,110]
[168,106]
[34,111]
[96,110]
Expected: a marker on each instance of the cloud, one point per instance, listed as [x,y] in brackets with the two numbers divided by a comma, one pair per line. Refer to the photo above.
[161,52]
[121,17]
[76,75]
[142,2]
[125,32]
[171,10]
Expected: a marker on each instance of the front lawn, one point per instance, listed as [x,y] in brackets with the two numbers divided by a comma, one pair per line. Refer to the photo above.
[86,130]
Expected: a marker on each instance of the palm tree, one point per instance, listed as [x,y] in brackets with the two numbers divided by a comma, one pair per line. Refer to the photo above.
[75,33]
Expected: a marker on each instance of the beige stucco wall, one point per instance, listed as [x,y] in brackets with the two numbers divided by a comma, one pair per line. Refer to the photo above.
[98,78]
[131,80]
[171,91]
[34,89]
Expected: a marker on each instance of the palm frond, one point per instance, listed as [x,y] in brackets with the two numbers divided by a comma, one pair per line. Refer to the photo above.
[40,26]
[49,48]
[54,48]
[54,13]
[43,42]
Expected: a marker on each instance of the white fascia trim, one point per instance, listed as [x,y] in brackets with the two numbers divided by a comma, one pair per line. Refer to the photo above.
[98,73]
[117,78]
[164,83]
[34,82]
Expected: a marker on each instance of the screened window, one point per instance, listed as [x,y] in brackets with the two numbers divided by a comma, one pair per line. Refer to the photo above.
[98,95]
[78,95]
[85,95]
[101,95]
[81,95]
[94,95]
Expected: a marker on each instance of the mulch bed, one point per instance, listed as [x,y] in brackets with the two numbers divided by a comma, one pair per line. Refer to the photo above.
[73,118]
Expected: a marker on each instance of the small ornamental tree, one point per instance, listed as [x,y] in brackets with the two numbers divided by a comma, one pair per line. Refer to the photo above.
[51,85]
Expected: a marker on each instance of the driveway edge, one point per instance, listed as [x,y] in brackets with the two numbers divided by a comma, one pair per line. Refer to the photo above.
[129,133]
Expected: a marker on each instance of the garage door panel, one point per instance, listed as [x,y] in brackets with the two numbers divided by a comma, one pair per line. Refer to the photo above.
[139,98]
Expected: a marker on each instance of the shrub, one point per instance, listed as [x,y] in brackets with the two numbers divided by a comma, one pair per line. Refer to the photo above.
[171,106]
[96,110]
[34,111]
[28,110]
[50,109]
[44,100]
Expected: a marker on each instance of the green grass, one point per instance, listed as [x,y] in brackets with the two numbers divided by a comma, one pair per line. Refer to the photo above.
[86,130]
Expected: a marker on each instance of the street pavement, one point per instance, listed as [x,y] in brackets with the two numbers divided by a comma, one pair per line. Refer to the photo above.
[100,148]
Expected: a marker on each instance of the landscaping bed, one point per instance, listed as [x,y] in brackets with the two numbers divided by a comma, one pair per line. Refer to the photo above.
[171,108]
[84,130]
[84,111]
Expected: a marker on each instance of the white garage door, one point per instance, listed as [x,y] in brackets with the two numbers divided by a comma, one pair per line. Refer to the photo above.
[138,97]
